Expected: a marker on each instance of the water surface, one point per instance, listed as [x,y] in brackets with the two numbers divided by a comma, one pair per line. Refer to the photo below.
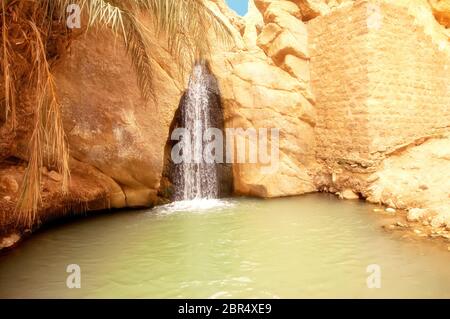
[303,247]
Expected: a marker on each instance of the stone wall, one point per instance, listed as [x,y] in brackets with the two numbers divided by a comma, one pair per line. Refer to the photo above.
[381,80]
[339,75]
[409,83]
[379,83]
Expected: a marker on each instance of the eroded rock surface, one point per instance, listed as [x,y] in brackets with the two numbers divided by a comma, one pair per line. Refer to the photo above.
[108,124]
[265,85]
[358,90]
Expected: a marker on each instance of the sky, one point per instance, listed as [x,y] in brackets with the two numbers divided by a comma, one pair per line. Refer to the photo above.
[240,6]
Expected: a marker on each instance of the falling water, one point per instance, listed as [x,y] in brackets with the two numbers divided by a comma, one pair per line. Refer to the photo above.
[198,179]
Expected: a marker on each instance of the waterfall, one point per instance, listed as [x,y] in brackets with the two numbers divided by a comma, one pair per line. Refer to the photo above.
[198,179]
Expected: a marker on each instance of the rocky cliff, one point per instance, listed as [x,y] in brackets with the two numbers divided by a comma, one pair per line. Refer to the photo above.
[108,124]
[359,90]
[264,83]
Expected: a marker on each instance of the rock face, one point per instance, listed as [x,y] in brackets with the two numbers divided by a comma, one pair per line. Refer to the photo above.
[264,83]
[109,125]
[358,90]
[116,138]
[414,179]
[441,10]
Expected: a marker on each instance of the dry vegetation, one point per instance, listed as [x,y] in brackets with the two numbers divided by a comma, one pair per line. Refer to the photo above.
[34,36]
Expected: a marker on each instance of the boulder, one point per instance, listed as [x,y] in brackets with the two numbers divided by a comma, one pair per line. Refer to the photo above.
[348,194]
[108,124]
[9,241]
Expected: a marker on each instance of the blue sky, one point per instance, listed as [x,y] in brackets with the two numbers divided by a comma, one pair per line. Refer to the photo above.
[240,6]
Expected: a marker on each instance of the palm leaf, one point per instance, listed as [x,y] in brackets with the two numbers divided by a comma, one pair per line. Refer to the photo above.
[182,23]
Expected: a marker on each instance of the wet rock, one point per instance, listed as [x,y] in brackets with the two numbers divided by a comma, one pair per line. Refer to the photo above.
[9,241]
[348,194]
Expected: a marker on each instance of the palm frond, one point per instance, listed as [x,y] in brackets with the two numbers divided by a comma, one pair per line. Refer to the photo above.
[9,83]
[183,23]
[48,141]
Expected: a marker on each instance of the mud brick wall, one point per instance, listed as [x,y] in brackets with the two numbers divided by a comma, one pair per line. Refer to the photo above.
[409,83]
[379,85]
[339,77]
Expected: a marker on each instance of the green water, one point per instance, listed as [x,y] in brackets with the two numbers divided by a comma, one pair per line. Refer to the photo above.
[304,247]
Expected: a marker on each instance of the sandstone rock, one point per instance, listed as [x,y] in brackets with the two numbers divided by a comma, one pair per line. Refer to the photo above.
[268,34]
[109,125]
[265,83]
[284,44]
[312,8]
[415,214]
[253,25]
[262,5]
[8,184]
[278,8]
[441,10]
[287,22]
[7,198]
[254,86]
[433,25]
[258,94]
[9,241]
[390,210]
[373,178]
[348,194]
[297,67]
[442,219]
